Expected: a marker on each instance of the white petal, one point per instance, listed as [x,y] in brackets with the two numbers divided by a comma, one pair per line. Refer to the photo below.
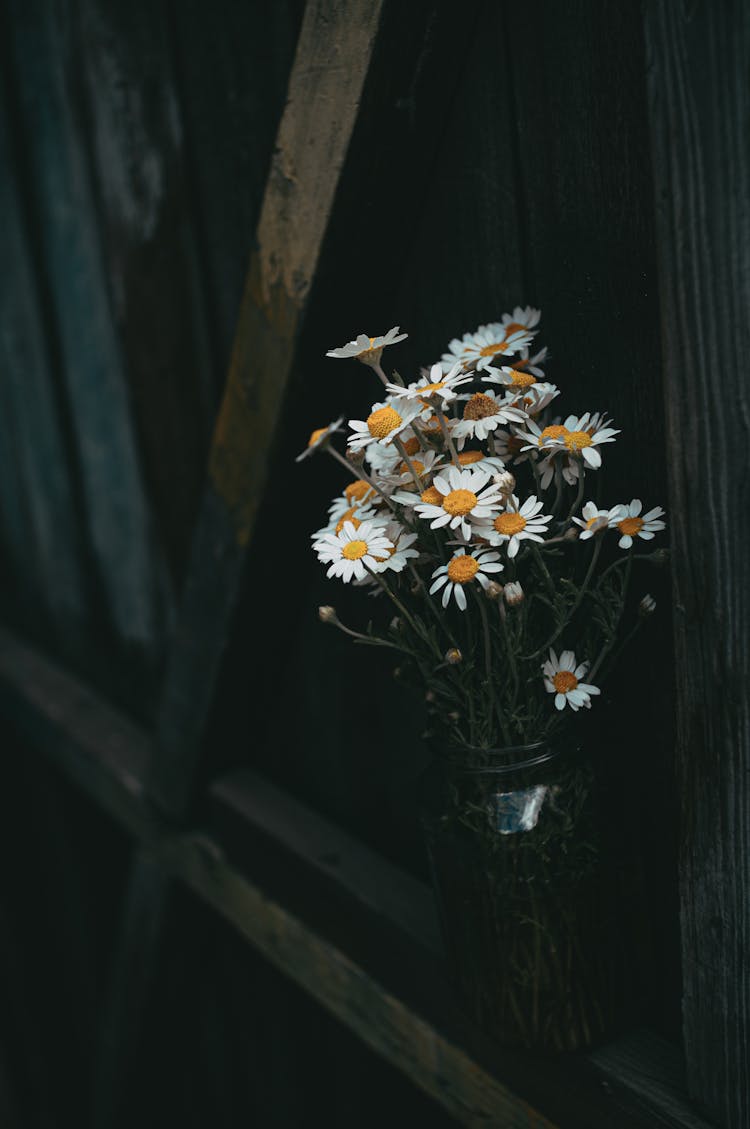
[567,661]
[592,457]
[560,701]
[461,597]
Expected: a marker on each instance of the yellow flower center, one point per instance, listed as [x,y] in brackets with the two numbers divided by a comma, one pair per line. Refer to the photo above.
[630,526]
[462,569]
[382,422]
[513,327]
[592,521]
[564,681]
[554,431]
[459,502]
[432,496]
[353,550]
[510,523]
[418,467]
[521,379]
[358,491]
[426,389]
[466,458]
[575,440]
[411,446]
[316,436]
[490,350]
[480,406]
[348,516]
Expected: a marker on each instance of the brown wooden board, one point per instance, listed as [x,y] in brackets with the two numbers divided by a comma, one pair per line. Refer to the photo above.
[324,90]
[699,111]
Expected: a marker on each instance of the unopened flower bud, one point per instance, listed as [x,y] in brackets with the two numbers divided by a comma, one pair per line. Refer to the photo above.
[505,482]
[429,696]
[571,534]
[327,614]
[647,606]
[395,623]
[454,715]
[453,656]
[513,593]
[355,456]
[493,591]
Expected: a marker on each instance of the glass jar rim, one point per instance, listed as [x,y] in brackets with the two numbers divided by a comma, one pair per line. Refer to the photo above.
[538,753]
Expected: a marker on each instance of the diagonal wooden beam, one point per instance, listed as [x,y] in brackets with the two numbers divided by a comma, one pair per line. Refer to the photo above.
[331,62]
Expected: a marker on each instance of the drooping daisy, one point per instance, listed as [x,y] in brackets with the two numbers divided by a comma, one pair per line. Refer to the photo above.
[510,447]
[437,387]
[354,551]
[366,349]
[632,524]
[493,464]
[465,500]
[462,569]
[384,423]
[524,389]
[319,437]
[482,414]
[583,435]
[563,679]
[517,523]
[531,364]
[395,560]
[594,520]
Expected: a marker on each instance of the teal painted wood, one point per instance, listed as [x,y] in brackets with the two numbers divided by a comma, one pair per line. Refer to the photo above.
[129,565]
[40,530]
[135,135]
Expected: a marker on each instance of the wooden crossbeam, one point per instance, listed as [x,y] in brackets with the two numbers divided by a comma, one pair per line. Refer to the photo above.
[331,62]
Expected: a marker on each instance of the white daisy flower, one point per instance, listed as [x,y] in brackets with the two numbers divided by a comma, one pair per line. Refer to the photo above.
[634,524]
[527,391]
[366,349]
[355,550]
[465,500]
[426,463]
[531,364]
[508,337]
[516,524]
[395,560]
[482,414]
[357,493]
[319,437]
[384,423]
[435,387]
[563,679]
[461,569]
[509,447]
[593,519]
[583,435]
[493,464]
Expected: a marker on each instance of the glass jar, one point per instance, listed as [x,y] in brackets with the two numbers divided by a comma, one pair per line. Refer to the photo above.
[537,893]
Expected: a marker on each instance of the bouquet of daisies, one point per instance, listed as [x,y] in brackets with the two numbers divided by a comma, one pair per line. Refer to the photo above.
[471,513]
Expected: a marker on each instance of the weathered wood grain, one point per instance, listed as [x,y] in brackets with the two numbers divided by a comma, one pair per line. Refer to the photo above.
[699,61]
[330,66]
[129,571]
[135,139]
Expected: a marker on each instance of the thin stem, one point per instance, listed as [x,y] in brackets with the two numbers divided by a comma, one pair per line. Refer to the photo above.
[578,498]
[407,616]
[576,604]
[412,469]
[357,472]
[378,369]
[544,570]
[447,437]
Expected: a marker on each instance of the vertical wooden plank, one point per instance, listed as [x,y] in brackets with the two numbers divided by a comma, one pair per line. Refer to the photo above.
[588,227]
[43,548]
[331,63]
[699,61]
[130,571]
[136,137]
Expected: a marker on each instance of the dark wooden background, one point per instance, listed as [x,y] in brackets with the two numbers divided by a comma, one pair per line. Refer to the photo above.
[502,155]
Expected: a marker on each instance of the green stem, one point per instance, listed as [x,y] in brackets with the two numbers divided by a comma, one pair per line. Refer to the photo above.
[412,469]
[357,472]
[576,604]
[447,438]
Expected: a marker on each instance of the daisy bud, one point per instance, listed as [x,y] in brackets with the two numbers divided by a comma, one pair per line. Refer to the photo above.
[571,534]
[356,457]
[493,591]
[327,614]
[429,696]
[454,715]
[513,593]
[647,606]
[395,623]
[453,656]
[505,482]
